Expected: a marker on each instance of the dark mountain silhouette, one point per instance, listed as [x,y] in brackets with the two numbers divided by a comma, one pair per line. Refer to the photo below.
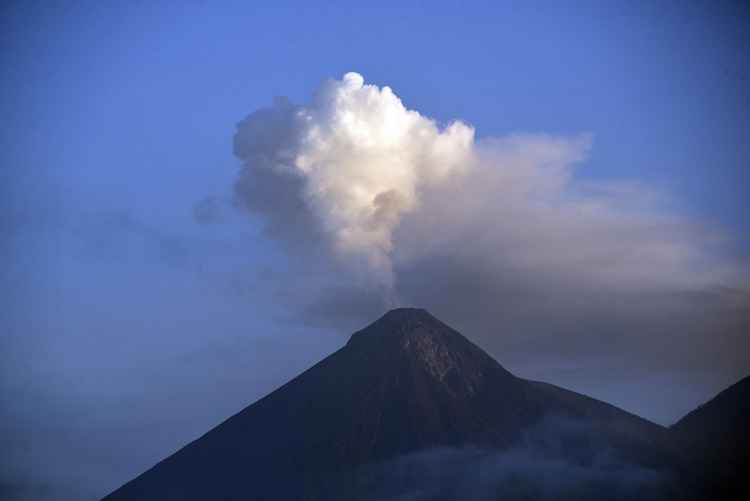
[715,441]
[410,409]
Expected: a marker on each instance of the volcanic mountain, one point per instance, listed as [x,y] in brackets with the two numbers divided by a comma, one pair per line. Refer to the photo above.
[405,388]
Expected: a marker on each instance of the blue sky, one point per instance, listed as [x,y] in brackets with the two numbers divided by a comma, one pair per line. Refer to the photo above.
[120,117]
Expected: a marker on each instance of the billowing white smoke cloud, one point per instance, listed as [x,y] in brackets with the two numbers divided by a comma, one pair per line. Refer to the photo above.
[355,162]
[362,158]
[495,235]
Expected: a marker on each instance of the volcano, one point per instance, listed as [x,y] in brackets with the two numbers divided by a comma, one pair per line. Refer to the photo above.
[405,388]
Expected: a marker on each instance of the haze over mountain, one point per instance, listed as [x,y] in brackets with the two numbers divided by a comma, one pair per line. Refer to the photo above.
[410,409]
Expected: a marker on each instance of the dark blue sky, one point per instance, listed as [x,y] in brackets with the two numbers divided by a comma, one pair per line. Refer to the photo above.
[130,329]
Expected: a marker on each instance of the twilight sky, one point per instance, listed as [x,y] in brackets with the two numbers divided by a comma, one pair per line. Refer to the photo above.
[197,203]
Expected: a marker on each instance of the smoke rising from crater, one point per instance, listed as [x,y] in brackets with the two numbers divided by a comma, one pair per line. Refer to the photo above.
[377,204]
[360,160]
[360,171]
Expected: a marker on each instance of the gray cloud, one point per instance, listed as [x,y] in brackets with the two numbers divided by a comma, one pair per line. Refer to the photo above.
[447,474]
[559,458]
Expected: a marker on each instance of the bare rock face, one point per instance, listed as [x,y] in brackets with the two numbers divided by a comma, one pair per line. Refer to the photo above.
[405,384]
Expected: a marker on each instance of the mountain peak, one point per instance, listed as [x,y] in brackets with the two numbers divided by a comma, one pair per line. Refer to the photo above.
[417,338]
[406,318]
[397,322]
[405,312]
[404,384]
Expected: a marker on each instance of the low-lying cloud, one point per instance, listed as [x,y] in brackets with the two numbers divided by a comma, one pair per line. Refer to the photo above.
[523,473]
[559,458]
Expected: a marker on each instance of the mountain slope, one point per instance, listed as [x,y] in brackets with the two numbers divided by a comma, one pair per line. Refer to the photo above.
[715,441]
[404,384]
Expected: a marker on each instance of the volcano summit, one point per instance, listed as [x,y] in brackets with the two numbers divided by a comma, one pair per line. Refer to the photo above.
[411,409]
